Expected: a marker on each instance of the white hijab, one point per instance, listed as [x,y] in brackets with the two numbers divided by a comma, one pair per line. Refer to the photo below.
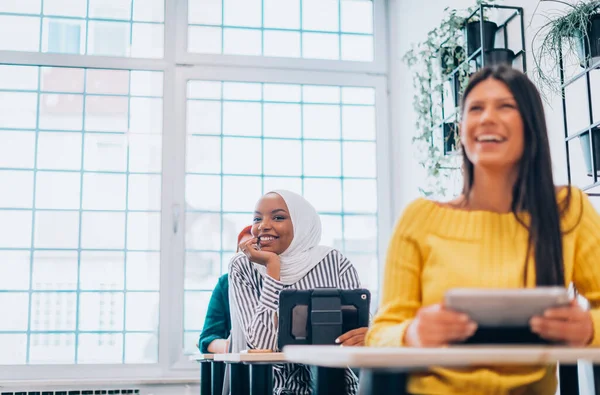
[303,254]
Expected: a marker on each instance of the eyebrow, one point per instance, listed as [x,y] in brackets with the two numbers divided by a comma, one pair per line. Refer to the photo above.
[277,210]
[505,98]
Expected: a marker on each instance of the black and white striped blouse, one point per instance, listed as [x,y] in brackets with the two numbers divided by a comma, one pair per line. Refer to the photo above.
[258,297]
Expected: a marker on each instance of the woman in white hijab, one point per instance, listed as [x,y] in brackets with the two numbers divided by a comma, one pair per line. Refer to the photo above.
[284,253]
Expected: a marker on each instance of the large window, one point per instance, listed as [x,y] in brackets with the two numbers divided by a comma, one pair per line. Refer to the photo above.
[245,139]
[130,159]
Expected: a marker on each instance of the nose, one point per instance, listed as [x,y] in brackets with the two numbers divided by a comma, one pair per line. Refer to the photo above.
[265,224]
[488,115]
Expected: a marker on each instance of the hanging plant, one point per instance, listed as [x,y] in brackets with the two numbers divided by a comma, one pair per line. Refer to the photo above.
[573,34]
[431,61]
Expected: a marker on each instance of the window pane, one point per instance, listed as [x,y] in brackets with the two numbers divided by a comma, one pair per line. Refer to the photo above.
[321,15]
[203,192]
[75,8]
[20,192]
[282,157]
[241,193]
[282,120]
[143,271]
[149,10]
[322,158]
[143,231]
[366,166]
[236,148]
[18,77]
[283,14]
[141,348]
[242,12]
[202,270]
[325,195]
[13,307]
[55,270]
[59,151]
[320,46]
[57,190]
[19,33]
[196,237]
[23,6]
[56,229]
[15,349]
[101,270]
[358,123]
[18,109]
[242,42]
[195,306]
[360,232]
[101,311]
[53,311]
[203,155]
[357,16]
[104,191]
[100,348]
[103,230]
[207,12]
[14,270]
[17,149]
[357,48]
[52,349]
[144,192]
[242,119]
[204,117]
[360,196]
[321,121]
[141,311]
[15,229]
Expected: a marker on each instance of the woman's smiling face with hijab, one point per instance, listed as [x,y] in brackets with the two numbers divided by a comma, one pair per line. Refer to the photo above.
[272,224]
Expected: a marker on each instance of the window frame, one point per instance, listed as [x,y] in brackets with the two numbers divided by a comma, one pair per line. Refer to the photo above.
[178,67]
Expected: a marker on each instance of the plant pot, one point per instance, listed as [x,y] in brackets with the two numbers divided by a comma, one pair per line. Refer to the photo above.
[454,54]
[498,56]
[584,139]
[473,33]
[589,48]
[450,134]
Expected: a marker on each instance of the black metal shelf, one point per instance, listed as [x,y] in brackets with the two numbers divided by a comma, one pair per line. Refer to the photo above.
[592,129]
[478,58]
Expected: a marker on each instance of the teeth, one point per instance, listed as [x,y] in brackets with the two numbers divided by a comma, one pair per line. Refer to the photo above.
[489,137]
[267,238]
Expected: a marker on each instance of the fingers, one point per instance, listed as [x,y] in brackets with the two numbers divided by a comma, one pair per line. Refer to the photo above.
[350,334]
[357,340]
[576,331]
[248,247]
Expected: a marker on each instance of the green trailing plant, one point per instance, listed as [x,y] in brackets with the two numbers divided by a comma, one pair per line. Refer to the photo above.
[561,35]
[428,80]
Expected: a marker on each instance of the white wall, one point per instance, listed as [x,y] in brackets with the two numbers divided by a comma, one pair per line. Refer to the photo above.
[409,23]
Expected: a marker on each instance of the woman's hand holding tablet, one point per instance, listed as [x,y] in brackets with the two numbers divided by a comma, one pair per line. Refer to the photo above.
[570,324]
[436,326]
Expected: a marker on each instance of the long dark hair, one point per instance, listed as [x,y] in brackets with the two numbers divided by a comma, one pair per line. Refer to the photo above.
[534,191]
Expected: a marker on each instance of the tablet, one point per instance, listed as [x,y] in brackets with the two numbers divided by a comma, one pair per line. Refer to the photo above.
[505,307]
[320,315]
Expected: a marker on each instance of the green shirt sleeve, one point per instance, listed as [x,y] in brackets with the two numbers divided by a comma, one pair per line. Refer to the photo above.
[217,324]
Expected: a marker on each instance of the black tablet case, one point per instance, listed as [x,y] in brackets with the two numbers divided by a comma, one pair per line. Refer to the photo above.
[320,315]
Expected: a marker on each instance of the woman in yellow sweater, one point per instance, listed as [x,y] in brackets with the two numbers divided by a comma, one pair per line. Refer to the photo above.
[510,228]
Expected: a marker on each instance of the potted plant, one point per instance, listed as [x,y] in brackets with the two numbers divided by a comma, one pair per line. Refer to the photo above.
[472,31]
[571,34]
[430,61]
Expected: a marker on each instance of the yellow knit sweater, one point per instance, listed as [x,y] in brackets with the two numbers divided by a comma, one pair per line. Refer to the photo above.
[435,248]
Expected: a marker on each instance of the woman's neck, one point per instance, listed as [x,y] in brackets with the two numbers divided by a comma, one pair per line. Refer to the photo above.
[492,190]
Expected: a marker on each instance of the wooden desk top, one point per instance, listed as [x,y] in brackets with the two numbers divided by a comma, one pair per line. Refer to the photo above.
[267,357]
[202,357]
[458,356]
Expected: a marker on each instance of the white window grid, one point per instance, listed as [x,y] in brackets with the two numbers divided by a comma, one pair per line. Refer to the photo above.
[179,67]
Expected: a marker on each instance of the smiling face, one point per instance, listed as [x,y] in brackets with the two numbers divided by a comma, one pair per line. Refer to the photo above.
[272,224]
[492,131]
